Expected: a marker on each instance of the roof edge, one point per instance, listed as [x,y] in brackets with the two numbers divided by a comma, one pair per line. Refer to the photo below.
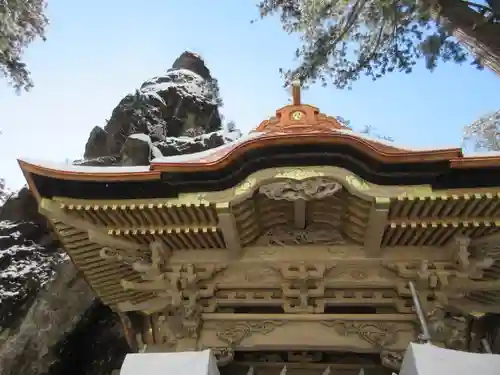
[373,149]
[85,173]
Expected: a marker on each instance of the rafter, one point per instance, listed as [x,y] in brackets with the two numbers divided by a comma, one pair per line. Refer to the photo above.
[53,210]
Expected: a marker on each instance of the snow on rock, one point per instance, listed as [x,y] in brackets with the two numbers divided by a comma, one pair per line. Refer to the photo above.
[189,148]
[232,138]
[146,138]
[185,83]
[26,265]
[185,98]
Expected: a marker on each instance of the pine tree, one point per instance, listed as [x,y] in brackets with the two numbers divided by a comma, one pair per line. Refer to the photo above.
[343,40]
[21,22]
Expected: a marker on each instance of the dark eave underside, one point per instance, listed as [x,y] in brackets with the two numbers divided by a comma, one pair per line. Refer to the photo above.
[439,174]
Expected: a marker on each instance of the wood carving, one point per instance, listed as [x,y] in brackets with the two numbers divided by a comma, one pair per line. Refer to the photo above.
[349,272]
[155,279]
[435,277]
[128,257]
[224,356]
[316,188]
[303,287]
[234,333]
[176,309]
[469,260]
[450,331]
[160,256]
[357,183]
[167,331]
[379,335]
[314,234]
[391,359]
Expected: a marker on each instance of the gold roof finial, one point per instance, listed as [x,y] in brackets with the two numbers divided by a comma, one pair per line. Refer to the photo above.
[296,91]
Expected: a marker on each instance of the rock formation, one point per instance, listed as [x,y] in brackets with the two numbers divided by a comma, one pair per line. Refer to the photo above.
[50,321]
[177,113]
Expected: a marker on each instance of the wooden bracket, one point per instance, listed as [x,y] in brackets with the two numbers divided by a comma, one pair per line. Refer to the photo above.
[377,222]
[227,225]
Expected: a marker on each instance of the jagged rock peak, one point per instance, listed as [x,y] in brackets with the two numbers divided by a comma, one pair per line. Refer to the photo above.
[193,62]
[183,102]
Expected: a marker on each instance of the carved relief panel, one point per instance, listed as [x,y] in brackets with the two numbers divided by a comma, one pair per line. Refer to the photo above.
[442,280]
[313,234]
[315,188]
[342,335]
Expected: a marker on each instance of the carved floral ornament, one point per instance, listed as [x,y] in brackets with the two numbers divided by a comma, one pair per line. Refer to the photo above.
[234,333]
[315,234]
[379,335]
[319,179]
[313,188]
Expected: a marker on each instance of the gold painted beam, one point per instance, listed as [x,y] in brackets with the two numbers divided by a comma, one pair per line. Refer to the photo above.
[377,222]
[53,210]
[227,225]
[190,199]
[167,229]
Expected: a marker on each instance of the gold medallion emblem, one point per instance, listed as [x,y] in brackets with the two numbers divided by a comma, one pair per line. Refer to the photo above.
[297,115]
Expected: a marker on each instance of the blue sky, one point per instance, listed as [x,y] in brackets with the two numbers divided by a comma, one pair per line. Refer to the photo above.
[98,51]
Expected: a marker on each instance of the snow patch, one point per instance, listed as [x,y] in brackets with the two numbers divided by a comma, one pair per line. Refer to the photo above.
[15,194]
[195,54]
[141,137]
[227,136]
[23,262]
[187,84]
[85,169]
[204,154]
[388,143]
[156,153]
[6,224]
[16,234]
